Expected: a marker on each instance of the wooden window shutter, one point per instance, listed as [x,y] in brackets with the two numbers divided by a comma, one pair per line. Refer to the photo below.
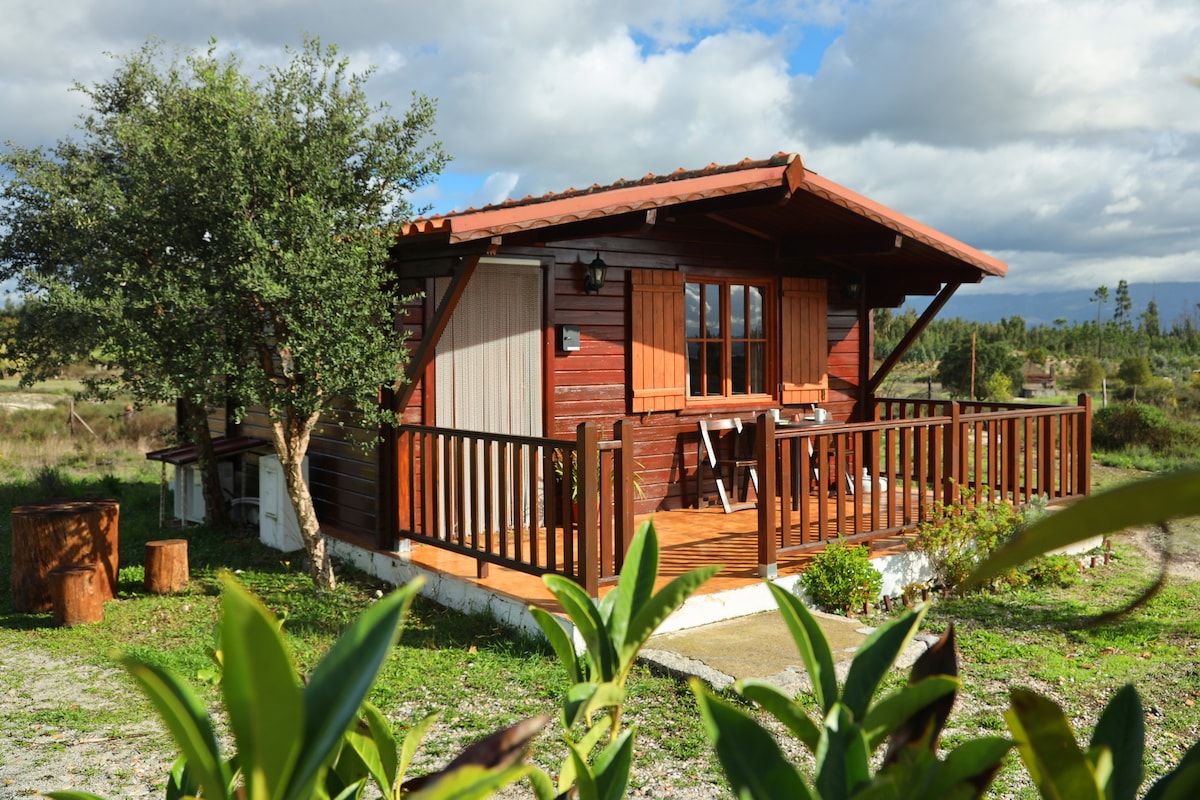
[658,376]
[804,377]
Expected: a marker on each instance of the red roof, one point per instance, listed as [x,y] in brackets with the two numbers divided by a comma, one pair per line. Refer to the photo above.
[783,170]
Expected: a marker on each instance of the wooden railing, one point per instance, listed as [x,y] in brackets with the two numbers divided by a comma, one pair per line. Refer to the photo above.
[880,478]
[510,500]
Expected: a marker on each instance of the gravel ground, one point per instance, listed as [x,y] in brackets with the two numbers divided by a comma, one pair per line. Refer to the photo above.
[42,750]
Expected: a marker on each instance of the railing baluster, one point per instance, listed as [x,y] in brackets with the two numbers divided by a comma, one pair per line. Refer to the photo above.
[789,491]
[803,483]
[824,486]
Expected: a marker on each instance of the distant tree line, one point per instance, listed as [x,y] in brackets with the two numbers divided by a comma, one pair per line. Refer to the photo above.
[1111,336]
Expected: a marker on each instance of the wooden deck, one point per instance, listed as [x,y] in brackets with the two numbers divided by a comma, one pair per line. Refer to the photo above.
[688,538]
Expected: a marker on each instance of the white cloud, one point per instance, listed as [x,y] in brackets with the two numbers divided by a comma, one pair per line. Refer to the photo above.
[1059,135]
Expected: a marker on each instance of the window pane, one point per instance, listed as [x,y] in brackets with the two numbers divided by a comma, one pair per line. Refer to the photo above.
[691,302]
[715,378]
[737,367]
[695,386]
[712,311]
[758,367]
[758,327]
[737,311]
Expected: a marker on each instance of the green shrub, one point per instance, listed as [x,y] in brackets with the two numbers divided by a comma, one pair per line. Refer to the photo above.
[1125,425]
[958,536]
[1052,570]
[1088,374]
[841,578]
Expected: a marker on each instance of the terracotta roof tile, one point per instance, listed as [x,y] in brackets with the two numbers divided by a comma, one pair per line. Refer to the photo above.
[650,178]
[683,185]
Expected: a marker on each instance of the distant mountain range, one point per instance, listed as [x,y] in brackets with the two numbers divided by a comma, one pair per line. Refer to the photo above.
[1074,305]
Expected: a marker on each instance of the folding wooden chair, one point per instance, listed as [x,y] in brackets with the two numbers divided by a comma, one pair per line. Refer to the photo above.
[723,451]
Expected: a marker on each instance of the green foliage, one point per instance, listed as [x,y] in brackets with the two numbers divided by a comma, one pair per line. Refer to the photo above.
[851,725]
[613,632]
[297,740]
[1124,425]
[1135,370]
[1060,571]
[999,387]
[1088,374]
[841,579]
[212,237]
[1111,766]
[990,358]
[958,536]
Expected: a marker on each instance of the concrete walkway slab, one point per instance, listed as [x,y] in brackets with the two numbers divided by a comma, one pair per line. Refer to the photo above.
[760,646]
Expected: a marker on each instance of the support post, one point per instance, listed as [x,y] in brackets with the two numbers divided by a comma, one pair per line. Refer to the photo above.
[623,431]
[586,437]
[1083,448]
[952,457]
[764,453]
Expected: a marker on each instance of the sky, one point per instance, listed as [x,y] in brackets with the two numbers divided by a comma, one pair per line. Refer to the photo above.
[1061,136]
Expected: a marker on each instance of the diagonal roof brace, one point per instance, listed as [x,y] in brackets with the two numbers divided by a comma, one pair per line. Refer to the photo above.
[909,338]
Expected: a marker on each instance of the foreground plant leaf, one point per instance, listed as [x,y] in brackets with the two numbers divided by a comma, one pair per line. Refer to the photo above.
[1145,502]
[754,765]
[1121,730]
[1048,748]
[341,681]
[260,687]
[189,724]
[494,753]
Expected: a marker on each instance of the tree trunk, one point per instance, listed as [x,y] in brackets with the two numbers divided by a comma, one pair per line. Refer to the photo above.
[166,566]
[215,506]
[77,595]
[62,533]
[290,436]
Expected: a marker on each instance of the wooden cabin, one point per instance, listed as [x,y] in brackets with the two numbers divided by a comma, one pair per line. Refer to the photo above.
[567,346]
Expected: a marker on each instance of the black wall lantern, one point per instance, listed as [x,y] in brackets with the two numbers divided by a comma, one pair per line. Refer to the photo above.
[593,280]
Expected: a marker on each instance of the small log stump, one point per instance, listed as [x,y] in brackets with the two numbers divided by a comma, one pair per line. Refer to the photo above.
[166,566]
[61,533]
[76,595]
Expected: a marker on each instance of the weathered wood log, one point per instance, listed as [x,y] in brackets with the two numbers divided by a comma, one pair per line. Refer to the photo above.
[166,566]
[76,595]
[61,533]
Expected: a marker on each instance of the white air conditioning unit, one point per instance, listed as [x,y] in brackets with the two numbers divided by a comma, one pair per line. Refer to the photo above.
[189,490]
[277,524]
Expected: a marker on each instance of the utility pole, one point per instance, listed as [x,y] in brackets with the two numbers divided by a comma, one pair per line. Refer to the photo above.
[972,365]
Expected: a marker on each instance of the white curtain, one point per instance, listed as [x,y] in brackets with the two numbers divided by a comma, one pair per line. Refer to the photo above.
[489,367]
[489,363]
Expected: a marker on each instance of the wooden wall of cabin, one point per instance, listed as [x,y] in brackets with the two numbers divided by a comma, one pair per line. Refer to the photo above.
[592,385]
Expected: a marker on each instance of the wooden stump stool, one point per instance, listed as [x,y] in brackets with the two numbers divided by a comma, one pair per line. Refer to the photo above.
[62,533]
[166,566]
[76,595]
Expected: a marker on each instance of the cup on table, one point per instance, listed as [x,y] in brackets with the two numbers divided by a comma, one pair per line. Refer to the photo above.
[820,415]
[775,414]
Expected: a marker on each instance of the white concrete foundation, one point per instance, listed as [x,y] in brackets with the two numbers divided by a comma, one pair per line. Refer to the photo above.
[898,570]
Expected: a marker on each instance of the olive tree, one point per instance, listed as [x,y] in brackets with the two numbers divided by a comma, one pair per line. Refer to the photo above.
[214,236]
